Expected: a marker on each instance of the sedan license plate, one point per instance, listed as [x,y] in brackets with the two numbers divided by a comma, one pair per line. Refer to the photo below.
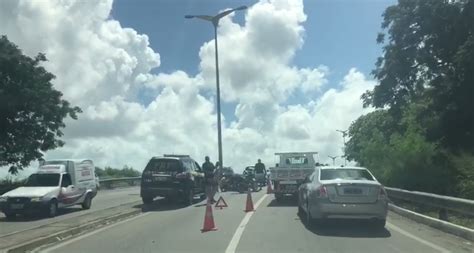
[352,191]
[16,206]
[288,182]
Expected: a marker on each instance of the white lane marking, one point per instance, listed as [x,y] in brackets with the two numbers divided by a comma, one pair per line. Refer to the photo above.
[62,244]
[240,229]
[416,238]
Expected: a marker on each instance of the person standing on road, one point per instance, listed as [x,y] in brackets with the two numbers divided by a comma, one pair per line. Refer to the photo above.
[210,180]
[260,172]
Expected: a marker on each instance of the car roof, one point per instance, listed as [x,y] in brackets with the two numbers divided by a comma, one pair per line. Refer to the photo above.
[172,158]
[342,167]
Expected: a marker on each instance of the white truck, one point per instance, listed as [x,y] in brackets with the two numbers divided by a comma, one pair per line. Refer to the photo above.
[56,184]
[290,172]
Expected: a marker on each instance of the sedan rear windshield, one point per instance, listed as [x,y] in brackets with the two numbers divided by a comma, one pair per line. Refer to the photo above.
[43,180]
[164,165]
[348,174]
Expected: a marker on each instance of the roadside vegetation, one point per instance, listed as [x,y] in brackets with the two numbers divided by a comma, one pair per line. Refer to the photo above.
[421,135]
[109,172]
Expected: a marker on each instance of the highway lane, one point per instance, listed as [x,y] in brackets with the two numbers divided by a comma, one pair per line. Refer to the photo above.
[272,228]
[104,199]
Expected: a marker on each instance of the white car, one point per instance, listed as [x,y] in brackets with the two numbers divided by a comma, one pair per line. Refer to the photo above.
[343,192]
[56,184]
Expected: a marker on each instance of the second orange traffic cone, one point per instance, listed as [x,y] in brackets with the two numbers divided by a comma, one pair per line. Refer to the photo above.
[249,204]
[269,186]
[208,219]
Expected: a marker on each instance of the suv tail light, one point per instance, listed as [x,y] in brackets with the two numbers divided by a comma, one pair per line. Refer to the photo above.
[323,193]
[382,193]
[183,175]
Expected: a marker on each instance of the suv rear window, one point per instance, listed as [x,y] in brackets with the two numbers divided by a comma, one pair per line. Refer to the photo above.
[350,174]
[164,165]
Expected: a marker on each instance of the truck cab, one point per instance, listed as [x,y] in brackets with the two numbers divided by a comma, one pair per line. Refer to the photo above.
[290,172]
[56,184]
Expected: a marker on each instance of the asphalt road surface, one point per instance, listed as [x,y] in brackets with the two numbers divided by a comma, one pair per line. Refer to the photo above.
[273,227]
[104,199]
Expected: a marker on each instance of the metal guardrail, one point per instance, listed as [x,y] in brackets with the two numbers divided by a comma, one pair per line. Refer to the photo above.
[444,203]
[110,182]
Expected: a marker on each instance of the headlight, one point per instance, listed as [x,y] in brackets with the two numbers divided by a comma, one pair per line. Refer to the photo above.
[3,199]
[36,199]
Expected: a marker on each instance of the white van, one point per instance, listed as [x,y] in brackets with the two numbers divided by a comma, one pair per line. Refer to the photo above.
[56,184]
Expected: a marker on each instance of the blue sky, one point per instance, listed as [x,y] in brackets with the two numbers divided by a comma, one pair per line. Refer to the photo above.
[339,34]
[276,98]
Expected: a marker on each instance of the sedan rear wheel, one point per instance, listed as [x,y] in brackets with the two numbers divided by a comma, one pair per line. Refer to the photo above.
[379,223]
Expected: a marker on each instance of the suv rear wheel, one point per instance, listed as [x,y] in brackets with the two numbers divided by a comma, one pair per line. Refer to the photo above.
[147,199]
[10,215]
[189,197]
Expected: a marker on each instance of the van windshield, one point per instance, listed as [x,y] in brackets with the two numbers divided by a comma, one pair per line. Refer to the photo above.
[164,165]
[43,180]
[348,174]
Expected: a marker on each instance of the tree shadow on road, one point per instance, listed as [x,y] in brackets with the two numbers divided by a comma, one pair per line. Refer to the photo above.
[345,228]
[35,216]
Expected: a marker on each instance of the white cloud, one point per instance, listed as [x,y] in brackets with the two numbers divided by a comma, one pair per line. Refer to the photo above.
[100,66]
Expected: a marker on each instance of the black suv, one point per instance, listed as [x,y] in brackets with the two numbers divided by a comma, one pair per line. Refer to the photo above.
[173,177]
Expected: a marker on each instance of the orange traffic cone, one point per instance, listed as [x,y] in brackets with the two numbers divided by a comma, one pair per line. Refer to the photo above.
[249,204]
[269,186]
[208,219]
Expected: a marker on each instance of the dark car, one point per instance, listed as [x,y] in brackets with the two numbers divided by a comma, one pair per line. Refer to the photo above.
[175,177]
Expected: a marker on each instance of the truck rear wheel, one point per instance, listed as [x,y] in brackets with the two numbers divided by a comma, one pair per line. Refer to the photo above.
[278,197]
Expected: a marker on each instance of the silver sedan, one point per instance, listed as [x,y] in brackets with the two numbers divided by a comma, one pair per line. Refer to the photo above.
[343,192]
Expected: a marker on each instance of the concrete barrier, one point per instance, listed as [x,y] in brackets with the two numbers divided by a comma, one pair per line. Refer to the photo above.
[444,226]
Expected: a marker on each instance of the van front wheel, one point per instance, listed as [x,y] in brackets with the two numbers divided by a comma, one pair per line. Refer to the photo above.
[52,208]
[87,202]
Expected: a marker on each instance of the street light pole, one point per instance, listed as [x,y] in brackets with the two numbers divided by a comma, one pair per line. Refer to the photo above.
[333,159]
[218,98]
[215,22]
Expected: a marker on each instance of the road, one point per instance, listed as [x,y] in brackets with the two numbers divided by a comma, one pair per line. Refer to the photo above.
[273,227]
[104,199]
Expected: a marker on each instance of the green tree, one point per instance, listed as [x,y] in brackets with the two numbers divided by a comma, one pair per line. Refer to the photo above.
[429,56]
[31,110]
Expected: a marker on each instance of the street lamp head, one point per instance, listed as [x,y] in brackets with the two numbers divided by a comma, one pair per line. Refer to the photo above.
[243,7]
[189,16]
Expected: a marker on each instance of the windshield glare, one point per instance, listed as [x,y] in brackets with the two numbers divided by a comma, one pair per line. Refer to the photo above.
[43,180]
[347,174]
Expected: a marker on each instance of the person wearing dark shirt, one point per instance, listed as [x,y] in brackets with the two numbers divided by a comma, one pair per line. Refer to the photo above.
[210,180]
[260,172]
